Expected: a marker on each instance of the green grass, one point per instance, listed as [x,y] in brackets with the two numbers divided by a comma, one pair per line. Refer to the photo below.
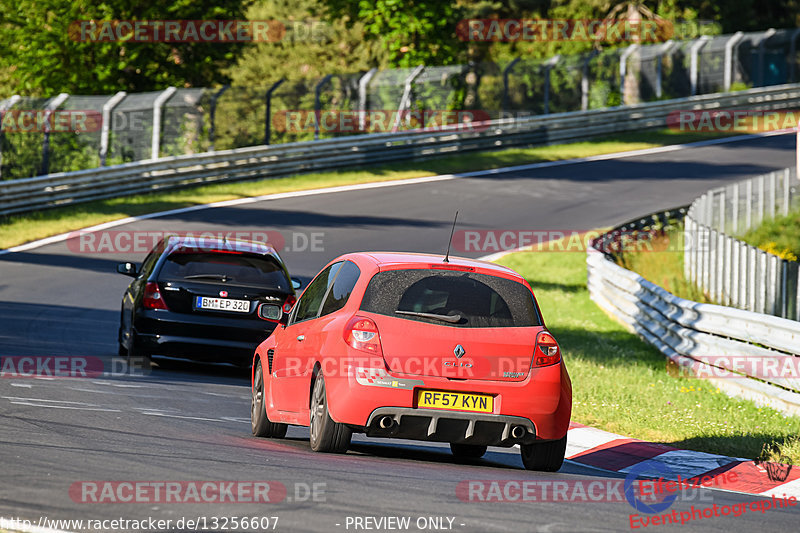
[621,384]
[18,229]
[780,236]
[660,260]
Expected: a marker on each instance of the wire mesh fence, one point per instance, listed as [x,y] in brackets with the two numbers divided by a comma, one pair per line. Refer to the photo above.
[191,120]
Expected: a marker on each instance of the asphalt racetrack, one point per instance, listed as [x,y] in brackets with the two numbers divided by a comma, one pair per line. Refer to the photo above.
[190,423]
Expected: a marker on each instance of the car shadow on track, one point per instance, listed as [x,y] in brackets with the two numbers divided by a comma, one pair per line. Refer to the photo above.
[438,454]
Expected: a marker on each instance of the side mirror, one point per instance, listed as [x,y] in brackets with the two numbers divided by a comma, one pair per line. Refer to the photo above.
[296,284]
[271,312]
[129,269]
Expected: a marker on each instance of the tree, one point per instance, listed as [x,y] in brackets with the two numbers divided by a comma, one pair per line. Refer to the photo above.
[39,44]
[412,32]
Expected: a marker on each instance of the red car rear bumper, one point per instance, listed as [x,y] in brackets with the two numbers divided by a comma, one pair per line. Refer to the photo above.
[542,403]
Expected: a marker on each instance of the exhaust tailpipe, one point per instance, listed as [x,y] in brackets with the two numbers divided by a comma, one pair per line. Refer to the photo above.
[386,422]
[518,432]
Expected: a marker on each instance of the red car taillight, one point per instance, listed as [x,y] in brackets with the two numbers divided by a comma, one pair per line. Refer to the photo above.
[547,351]
[152,297]
[362,334]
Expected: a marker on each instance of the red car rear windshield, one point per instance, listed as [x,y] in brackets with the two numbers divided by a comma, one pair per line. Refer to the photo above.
[240,269]
[451,298]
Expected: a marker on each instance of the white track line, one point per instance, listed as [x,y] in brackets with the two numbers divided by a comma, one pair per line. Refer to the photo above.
[394,183]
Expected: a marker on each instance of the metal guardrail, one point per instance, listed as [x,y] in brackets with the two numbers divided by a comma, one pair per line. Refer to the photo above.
[704,339]
[24,195]
[731,271]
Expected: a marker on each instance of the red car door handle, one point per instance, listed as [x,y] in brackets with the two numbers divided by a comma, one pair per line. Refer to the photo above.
[301,338]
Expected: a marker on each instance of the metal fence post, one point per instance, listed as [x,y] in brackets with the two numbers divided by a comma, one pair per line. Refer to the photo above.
[762,282]
[8,104]
[735,273]
[212,116]
[761,52]
[363,84]
[760,199]
[792,54]
[548,66]
[105,131]
[787,176]
[748,223]
[784,271]
[687,248]
[693,66]
[735,213]
[773,183]
[51,106]
[771,285]
[727,270]
[752,278]
[405,100]
[743,275]
[722,198]
[318,103]
[662,51]
[162,98]
[585,80]
[505,101]
[268,112]
[722,269]
[729,45]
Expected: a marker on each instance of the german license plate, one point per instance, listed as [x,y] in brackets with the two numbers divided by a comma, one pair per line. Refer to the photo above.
[455,401]
[222,304]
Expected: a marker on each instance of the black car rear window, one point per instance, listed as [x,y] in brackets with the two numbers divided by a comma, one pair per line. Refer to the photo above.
[210,267]
[469,299]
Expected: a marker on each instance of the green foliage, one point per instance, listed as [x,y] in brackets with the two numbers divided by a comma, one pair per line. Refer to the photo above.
[779,236]
[42,46]
[412,33]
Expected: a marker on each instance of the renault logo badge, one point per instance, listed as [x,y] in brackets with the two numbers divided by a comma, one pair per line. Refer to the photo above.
[459,351]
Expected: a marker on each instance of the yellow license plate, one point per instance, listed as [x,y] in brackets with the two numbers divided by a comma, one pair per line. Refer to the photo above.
[455,401]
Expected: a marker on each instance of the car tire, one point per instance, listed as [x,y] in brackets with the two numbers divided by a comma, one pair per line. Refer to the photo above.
[467,451]
[135,350]
[544,456]
[326,435]
[261,425]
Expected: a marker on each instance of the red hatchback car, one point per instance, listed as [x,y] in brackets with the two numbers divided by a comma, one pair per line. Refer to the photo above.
[414,346]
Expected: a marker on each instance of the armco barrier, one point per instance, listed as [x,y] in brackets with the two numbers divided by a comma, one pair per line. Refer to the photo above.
[23,195]
[701,338]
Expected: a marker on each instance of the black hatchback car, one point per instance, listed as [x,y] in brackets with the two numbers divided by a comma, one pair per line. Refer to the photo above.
[210,300]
